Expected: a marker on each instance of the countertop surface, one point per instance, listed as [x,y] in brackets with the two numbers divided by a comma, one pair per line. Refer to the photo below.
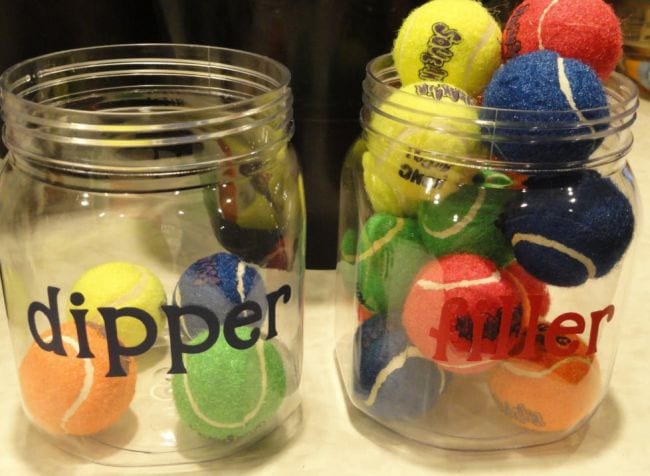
[334,438]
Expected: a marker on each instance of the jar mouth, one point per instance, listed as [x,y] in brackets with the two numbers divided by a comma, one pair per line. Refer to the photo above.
[605,129]
[147,100]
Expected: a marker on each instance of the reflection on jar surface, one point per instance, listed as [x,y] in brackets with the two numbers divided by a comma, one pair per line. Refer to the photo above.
[480,292]
[153,250]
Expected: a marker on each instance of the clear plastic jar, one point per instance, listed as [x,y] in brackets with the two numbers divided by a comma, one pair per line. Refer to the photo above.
[479,301]
[152,220]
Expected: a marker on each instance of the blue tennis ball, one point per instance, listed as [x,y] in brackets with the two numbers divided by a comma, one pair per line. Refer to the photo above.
[552,94]
[391,378]
[218,282]
[566,235]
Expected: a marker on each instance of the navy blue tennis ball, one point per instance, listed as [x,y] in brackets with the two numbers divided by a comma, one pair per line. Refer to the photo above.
[218,282]
[392,379]
[566,235]
[544,104]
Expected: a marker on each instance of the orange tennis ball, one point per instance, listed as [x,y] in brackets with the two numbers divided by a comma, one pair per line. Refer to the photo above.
[64,394]
[546,391]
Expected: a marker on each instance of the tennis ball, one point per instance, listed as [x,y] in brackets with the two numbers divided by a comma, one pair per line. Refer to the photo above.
[227,392]
[121,284]
[466,222]
[218,282]
[566,235]
[392,379]
[389,255]
[543,102]
[546,391]
[453,41]
[450,300]
[66,394]
[587,30]
[411,137]
[535,297]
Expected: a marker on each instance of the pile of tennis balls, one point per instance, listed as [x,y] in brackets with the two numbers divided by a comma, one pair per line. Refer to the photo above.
[440,238]
[225,392]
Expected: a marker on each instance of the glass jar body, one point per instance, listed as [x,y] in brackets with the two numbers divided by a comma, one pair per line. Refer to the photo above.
[153,279]
[477,307]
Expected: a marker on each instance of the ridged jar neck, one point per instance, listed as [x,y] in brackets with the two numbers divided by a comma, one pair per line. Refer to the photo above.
[486,129]
[145,110]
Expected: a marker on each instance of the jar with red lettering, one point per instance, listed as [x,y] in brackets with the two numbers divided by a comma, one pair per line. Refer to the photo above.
[483,261]
[152,250]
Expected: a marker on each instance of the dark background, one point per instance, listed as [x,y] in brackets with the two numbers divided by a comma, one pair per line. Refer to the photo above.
[325,44]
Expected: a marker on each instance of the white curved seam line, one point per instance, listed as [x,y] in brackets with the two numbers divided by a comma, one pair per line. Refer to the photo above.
[474,53]
[540,44]
[461,224]
[259,347]
[395,364]
[377,245]
[565,87]
[86,386]
[241,270]
[512,368]
[428,285]
[557,246]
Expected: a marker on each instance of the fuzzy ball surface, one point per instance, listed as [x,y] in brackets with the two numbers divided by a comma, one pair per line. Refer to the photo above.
[543,111]
[587,30]
[452,41]
[392,379]
[218,282]
[65,394]
[227,392]
[566,235]
[466,222]
[545,391]
[390,253]
[122,284]
[452,299]
[412,138]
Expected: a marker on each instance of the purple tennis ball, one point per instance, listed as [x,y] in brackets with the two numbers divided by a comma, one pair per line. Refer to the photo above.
[219,283]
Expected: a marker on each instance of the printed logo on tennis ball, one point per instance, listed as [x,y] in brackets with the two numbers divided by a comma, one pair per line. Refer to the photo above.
[219,323]
[411,138]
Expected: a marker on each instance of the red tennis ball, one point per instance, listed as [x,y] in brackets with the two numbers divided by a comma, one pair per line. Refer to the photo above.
[586,30]
[64,394]
[546,390]
[462,312]
[535,298]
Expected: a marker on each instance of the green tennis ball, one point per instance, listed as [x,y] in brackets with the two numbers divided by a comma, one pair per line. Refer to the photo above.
[453,41]
[411,139]
[227,392]
[389,255]
[120,284]
[467,222]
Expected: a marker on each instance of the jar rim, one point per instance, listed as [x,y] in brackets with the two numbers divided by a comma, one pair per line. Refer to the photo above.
[382,97]
[8,79]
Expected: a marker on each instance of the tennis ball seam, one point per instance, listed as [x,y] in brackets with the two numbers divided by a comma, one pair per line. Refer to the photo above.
[259,348]
[86,386]
[460,224]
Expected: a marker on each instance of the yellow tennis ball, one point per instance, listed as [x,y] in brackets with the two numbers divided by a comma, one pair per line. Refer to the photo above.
[120,284]
[452,41]
[411,139]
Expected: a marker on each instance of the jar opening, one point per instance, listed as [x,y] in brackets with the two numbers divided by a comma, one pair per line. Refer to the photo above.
[392,118]
[126,107]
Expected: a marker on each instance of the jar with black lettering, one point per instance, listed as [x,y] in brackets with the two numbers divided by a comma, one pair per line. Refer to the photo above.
[152,250]
[483,258]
